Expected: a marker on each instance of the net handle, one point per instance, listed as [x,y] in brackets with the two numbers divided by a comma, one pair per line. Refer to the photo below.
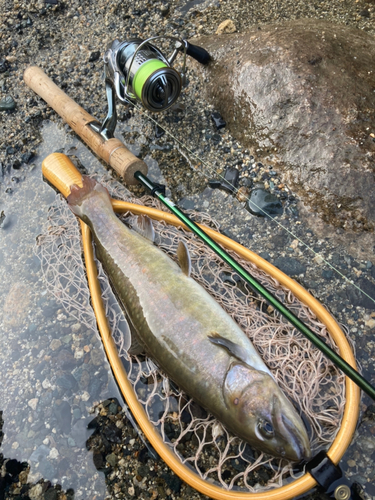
[60,171]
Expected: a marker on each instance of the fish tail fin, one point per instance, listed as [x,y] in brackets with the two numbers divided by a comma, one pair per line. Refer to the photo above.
[90,188]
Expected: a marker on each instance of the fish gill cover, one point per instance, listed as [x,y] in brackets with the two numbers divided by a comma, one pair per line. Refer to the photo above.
[310,380]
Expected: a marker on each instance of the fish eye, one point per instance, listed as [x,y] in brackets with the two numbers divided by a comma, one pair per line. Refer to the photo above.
[266,429]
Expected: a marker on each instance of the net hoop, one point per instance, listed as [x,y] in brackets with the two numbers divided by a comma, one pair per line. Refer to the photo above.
[58,169]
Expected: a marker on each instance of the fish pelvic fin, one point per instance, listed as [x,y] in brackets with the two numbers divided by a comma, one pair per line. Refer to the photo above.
[90,187]
[184,259]
[233,349]
[142,224]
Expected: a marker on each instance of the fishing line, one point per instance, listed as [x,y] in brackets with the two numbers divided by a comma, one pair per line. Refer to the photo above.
[235,189]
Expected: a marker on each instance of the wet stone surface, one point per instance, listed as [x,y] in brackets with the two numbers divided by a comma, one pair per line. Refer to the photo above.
[302,94]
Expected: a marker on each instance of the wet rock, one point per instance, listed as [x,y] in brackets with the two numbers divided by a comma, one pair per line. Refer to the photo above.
[173,482]
[64,417]
[218,120]
[289,266]
[80,432]
[51,494]
[40,454]
[15,310]
[357,298]
[96,357]
[112,459]
[55,344]
[164,9]
[14,467]
[94,56]
[64,360]
[112,433]
[99,460]
[67,381]
[263,203]
[303,91]
[229,182]
[7,103]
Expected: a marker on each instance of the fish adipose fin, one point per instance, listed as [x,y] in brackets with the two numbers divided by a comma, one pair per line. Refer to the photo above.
[184,259]
[234,349]
[143,226]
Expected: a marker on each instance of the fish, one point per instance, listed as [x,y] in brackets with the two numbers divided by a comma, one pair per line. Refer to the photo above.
[191,338]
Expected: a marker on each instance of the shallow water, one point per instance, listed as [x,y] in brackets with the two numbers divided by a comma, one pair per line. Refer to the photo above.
[38,337]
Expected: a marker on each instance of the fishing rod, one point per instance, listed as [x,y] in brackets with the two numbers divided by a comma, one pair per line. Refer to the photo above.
[158,191]
[132,169]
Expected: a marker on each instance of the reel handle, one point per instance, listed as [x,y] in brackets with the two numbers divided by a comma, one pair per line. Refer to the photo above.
[198,53]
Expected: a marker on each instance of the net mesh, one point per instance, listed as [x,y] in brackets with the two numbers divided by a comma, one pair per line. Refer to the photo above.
[310,380]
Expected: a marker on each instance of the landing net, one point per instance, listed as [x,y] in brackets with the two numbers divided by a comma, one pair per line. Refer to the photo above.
[310,380]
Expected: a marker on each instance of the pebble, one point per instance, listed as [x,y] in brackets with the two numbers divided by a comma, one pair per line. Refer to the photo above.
[35,492]
[96,357]
[7,103]
[164,9]
[85,396]
[53,454]
[33,403]
[242,194]
[227,26]
[55,344]
[76,327]
[112,459]
[79,353]
[263,203]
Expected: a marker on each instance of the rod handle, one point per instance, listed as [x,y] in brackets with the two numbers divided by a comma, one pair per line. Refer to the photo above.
[58,169]
[198,53]
[112,151]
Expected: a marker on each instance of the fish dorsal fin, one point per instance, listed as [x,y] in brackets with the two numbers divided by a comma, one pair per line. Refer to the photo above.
[234,349]
[143,225]
[184,258]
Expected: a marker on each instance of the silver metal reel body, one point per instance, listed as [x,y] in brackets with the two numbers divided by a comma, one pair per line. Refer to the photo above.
[122,61]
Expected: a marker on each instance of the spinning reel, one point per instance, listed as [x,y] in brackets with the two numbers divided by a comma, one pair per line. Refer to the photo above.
[137,71]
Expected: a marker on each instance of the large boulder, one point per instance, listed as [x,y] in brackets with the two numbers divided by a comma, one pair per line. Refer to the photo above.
[302,94]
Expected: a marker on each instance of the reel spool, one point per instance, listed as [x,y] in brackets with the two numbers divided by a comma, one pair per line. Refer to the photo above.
[138,71]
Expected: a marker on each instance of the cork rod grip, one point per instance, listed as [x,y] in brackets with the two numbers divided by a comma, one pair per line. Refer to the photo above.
[112,151]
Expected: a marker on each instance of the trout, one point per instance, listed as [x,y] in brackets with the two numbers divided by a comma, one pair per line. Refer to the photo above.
[187,333]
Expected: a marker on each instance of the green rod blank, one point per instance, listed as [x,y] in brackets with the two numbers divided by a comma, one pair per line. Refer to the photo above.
[353,374]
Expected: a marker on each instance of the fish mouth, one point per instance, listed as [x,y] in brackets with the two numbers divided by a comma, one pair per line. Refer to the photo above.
[298,447]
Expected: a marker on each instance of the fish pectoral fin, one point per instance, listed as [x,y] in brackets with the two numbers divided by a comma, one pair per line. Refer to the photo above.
[136,346]
[234,349]
[184,259]
[143,226]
